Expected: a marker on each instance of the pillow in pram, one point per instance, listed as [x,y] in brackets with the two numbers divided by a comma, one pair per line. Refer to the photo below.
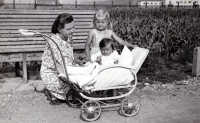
[139,55]
[126,57]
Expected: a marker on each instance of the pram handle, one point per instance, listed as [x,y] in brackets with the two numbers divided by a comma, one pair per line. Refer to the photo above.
[29,32]
[46,37]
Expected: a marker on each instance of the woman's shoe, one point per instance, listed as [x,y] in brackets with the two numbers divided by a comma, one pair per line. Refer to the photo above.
[55,102]
[47,94]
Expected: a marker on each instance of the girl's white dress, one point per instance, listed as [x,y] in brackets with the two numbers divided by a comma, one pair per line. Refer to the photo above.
[99,35]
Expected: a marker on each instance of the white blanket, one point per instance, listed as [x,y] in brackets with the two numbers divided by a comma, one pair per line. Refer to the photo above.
[105,76]
[115,75]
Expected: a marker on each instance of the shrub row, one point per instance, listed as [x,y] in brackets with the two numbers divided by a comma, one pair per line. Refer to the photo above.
[171,34]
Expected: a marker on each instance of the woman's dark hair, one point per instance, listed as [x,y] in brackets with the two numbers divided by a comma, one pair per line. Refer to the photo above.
[104,42]
[60,22]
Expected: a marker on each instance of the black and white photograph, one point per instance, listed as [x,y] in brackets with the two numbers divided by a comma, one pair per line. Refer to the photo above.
[101,61]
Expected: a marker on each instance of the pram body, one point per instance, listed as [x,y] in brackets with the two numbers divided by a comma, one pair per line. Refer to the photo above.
[92,104]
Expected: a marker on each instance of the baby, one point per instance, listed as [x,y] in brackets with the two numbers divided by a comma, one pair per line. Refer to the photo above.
[107,54]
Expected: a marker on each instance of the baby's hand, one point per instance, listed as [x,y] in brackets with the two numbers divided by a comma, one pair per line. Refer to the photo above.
[98,59]
[116,62]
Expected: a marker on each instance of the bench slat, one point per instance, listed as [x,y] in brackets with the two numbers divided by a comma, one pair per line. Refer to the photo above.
[21,46]
[14,43]
[41,23]
[22,39]
[31,48]
[18,35]
[41,20]
[41,27]
[5,43]
[19,50]
[33,38]
[22,42]
[10,35]
[42,31]
[50,12]
[41,16]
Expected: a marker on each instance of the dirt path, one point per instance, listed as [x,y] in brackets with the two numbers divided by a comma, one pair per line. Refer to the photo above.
[167,103]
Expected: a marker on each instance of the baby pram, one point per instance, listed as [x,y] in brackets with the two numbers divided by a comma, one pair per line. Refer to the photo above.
[124,85]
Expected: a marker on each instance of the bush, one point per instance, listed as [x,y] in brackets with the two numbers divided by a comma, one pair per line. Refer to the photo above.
[171,34]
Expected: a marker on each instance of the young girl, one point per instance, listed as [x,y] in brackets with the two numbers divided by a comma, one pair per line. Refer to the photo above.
[101,23]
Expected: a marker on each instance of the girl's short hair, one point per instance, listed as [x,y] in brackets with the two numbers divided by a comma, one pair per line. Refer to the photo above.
[105,42]
[60,22]
[102,14]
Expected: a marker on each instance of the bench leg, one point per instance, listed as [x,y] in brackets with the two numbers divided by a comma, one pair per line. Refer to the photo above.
[24,68]
[16,69]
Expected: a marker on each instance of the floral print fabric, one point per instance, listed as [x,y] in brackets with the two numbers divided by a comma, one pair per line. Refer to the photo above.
[48,70]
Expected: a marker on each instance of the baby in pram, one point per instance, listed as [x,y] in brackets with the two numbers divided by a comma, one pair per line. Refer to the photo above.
[91,74]
[88,73]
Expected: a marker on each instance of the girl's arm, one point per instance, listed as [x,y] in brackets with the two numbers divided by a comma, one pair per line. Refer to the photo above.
[87,45]
[122,42]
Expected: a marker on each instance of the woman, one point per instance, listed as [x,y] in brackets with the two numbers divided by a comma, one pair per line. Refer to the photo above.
[62,29]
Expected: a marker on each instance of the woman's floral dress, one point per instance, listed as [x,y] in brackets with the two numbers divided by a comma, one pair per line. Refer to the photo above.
[48,71]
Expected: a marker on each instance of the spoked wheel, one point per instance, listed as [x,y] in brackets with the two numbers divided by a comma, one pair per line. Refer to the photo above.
[130,106]
[73,99]
[90,110]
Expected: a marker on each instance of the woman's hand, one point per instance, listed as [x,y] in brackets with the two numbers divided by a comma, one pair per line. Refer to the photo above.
[80,62]
[87,58]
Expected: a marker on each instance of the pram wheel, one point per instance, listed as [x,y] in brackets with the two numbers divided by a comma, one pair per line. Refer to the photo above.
[73,99]
[90,110]
[130,106]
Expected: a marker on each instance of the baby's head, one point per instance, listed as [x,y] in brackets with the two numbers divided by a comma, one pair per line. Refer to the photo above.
[102,20]
[106,46]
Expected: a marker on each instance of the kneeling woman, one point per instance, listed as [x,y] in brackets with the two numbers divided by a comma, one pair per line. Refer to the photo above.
[62,29]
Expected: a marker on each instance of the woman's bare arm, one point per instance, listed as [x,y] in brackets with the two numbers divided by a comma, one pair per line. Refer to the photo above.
[122,42]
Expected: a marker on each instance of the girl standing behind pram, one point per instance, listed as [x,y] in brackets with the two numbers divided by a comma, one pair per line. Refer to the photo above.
[102,30]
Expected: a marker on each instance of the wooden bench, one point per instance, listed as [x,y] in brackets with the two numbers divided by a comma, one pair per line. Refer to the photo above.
[15,47]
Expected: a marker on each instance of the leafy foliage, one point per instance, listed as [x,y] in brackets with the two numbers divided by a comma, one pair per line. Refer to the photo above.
[171,34]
